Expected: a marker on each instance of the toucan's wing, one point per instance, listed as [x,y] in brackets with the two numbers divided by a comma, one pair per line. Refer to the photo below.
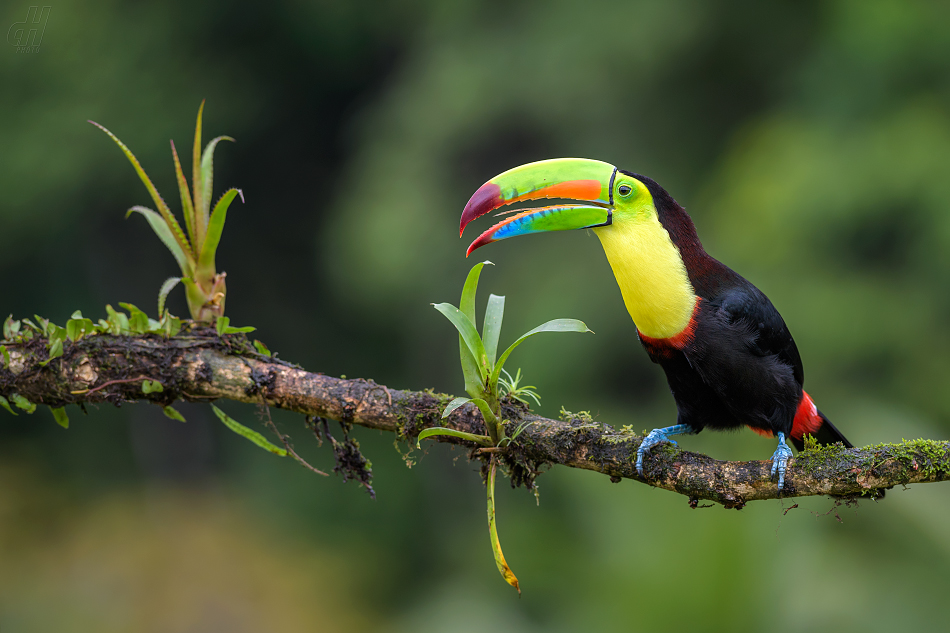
[746,306]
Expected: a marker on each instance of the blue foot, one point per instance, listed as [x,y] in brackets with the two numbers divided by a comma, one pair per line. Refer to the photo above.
[780,460]
[659,436]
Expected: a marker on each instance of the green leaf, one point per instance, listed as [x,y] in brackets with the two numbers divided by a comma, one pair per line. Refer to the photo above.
[481,440]
[474,379]
[201,216]
[10,328]
[161,229]
[556,325]
[59,414]
[474,384]
[494,314]
[43,323]
[223,326]
[170,325]
[78,328]
[118,322]
[500,561]
[6,405]
[152,386]
[166,288]
[452,406]
[6,356]
[469,334]
[56,333]
[55,351]
[487,413]
[22,403]
[261,348]
[206,254]
[138,320]
[76,315]
[242,430]
[35,327]
[467,301]
[187,208]
[207,169]
[173,414]
[170,221]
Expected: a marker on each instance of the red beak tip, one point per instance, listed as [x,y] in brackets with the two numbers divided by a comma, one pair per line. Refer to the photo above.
[487,198]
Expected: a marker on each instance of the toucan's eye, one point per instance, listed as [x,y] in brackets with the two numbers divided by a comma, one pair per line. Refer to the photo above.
[624,190]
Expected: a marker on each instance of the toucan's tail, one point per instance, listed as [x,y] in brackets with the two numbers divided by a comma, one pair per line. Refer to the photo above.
[809,420]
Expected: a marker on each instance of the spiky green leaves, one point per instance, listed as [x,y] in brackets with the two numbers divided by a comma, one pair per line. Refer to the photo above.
[205,289]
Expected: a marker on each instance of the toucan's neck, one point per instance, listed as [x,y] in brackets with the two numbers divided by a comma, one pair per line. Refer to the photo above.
[651,274]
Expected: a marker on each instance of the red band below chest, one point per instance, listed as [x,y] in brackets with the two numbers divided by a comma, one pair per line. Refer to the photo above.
[665,346]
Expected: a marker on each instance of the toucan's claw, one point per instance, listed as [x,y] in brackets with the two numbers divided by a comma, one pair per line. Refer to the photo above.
[659,436]
[780,460]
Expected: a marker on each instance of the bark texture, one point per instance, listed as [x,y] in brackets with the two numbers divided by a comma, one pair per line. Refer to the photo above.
[201,366]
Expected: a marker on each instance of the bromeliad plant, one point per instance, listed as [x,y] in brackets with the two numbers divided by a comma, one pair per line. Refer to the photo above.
[204,287]
[486,386]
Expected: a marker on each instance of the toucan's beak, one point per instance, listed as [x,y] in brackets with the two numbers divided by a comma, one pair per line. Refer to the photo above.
[570,178]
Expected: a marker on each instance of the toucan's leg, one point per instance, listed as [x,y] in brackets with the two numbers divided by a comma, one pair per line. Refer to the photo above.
[658,436]
[780,459]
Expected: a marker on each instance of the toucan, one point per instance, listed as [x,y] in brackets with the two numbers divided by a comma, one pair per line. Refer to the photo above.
[728,356]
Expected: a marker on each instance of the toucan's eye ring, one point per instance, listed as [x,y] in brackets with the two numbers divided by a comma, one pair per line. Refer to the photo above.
[624,190]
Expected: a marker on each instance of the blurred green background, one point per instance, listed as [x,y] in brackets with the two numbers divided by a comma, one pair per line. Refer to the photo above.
[810,142]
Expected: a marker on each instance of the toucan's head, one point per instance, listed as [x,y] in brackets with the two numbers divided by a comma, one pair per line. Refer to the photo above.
[612,196]
[649,240]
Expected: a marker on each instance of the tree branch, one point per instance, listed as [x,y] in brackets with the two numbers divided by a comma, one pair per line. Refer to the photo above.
[201,366]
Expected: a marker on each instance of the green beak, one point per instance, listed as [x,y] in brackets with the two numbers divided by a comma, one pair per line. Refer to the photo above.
[565,178]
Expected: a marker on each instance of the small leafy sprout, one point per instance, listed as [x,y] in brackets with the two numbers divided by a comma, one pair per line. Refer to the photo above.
[261,348]
[204,287]
[509,386]
[486,386]
[519,430]
[223,326]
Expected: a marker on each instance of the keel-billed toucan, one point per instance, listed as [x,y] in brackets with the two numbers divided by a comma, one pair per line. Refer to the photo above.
[728,356]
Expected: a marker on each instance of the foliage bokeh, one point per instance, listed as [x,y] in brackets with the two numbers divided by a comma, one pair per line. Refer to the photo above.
[810,142]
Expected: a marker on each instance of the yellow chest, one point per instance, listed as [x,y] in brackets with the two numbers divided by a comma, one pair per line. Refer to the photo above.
[651,275]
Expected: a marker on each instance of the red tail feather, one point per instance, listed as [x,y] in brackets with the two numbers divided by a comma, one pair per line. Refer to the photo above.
[807,419]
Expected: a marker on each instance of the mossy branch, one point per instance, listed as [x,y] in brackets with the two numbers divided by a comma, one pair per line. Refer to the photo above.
[202,366]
